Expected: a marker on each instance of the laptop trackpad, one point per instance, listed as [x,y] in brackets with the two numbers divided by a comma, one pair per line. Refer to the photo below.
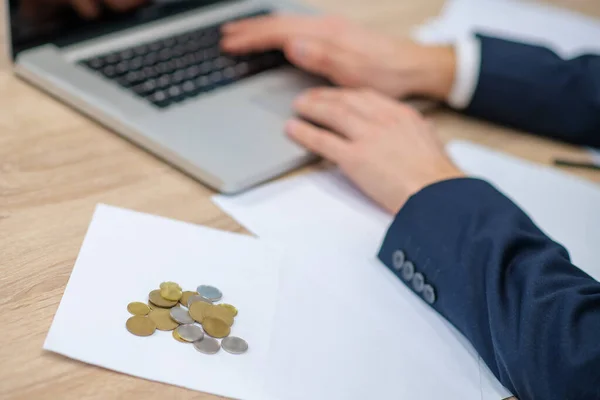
[277,100]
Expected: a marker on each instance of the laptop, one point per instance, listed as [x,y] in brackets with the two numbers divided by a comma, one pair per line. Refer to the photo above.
[156,75]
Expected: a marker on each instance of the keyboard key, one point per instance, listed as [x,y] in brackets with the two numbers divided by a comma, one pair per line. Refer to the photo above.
[145,88]
[197,57]
[180,63]
[141,50]
[122,68]
[149,59]
[176,94]
[229,73]
[150,72]
[122,81]
[206,67]
[169,42]
[96,63]
[136,63]
[109,71]
[189,88]
[164,81]
[216,77]
[220,63]
[160,99]
[192,46]
[183,39]
[134,77]
[165,55]
[192,72]
[189,59]
[175,91]
[202,83]
[213,52]
[241,69]
[166,67]
[126,54]
[156,46]
[111,58]
[178,76]
[178,51]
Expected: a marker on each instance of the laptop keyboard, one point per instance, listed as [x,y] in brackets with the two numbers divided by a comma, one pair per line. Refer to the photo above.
[180,67]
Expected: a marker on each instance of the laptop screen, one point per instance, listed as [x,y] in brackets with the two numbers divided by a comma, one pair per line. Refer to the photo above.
[64,22]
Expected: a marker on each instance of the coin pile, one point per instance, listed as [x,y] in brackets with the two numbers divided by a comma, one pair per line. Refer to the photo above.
[192,316]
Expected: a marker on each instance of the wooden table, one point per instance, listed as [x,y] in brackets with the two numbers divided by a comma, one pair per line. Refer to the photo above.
[56,165]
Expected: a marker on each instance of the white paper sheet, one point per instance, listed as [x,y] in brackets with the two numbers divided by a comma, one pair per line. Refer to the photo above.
[127,254]
[567,33]
[321,213]
[347,329]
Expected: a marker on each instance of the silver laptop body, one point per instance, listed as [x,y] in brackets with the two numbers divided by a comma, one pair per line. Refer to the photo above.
[230,138]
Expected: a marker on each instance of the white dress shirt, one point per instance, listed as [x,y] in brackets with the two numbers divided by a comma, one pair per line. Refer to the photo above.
[468,65]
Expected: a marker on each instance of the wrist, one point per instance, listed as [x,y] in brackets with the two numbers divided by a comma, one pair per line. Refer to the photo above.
[444,172]
[433,71]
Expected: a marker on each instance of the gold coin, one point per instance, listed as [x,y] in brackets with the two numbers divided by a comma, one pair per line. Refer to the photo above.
[198,310]
[229,307]
[177,337]
[153,306]
[170,286]
[159,301]
[137,308]
[171,293]
[216,327]
[165,284]
[140,325]
[162,319]
[221,313]
[185,296]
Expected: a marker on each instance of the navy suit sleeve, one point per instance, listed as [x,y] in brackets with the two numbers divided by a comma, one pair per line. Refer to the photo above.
[531,88]
[514,294]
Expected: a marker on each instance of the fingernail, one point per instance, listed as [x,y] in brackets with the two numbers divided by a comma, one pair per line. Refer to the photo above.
[291,126]
[300,100]
[299,49]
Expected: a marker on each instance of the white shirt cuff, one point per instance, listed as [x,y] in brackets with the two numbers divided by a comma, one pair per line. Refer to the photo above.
[468,65]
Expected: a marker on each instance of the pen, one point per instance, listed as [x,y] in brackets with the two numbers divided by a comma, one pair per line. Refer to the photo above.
[576,164]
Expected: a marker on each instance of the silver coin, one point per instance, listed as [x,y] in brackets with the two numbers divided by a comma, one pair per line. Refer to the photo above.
[234,345]
[190,332]
[207,345]
[210,292]
[181,315]
[196,298]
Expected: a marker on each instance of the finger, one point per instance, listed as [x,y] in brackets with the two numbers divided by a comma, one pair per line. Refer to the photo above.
[322,57]
[317,140]
[123,5]
[332,113]
[359,101]
[393,111]
[267,33]
[86,8]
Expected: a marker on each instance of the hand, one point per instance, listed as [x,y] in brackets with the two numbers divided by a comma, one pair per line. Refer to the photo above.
[348,54]
[386,148]
[91,8]
[88,9]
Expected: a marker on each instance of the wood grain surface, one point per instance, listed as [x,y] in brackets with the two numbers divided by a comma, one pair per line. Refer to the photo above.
[56,165]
